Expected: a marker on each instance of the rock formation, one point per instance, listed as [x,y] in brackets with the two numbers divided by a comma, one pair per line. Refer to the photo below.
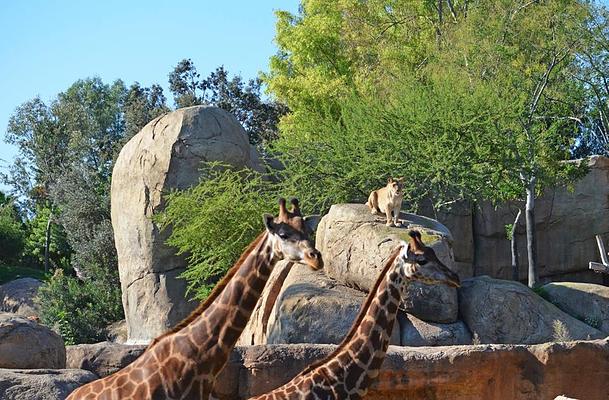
[17,297]
[566,222]
[41,384]
[585,301]
[166,154]
[509,312]
[29,345]
[498,372]
[356,244]
[103,358]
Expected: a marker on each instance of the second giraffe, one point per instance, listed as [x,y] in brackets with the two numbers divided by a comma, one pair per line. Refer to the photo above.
[347,373]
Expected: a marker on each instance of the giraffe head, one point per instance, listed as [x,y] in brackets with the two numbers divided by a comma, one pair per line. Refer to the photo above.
[420,263]
[291,235]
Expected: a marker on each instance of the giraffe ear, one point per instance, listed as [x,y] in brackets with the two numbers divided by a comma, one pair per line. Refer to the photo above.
[268,219]
[311,221]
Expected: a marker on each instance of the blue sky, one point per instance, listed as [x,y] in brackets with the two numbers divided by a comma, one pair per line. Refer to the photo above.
[47,45]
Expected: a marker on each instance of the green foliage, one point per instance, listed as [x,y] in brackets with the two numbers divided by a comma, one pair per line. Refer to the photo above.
[214,221]
[34,249]
[244,100]
[79,311]
[142,105]
[12,232]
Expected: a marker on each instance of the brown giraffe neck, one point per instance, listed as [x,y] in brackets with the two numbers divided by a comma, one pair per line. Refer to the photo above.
[348,371]
[216,291]
[227,316]
[184,362]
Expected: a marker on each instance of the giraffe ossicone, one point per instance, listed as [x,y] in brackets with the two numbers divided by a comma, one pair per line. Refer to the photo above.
[349,370]
[184,362]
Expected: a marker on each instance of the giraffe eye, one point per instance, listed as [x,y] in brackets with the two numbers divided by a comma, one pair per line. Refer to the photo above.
[421,260]
[282,235]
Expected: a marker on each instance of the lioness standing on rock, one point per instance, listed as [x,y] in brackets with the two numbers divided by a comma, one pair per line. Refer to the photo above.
[388,200]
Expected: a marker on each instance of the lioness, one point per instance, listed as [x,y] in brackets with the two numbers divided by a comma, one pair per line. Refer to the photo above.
[388,200]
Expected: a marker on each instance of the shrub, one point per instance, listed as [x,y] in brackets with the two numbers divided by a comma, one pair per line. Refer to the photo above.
[214,221]
[80,310]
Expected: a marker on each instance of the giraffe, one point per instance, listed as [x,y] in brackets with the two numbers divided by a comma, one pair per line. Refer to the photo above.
[183,362]
[349,370]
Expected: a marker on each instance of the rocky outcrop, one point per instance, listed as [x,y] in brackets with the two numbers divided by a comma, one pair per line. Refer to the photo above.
[498,311]
[29,345]
[17,297]
[566,221]
[356,244]
[499,372]
[415,332]
[41,384]
[309,308]
[585,301]
[166,154]
[103,358]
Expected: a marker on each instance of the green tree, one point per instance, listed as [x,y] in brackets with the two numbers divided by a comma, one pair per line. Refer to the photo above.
[481,100]
[215,220]
[12,232]
[80,310]
[44,233]
[258,117]
[142,105]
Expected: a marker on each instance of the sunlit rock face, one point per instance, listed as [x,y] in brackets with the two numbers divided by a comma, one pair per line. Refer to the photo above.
[166,154]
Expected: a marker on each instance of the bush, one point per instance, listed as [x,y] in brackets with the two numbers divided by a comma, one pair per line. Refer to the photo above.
[12,234]
[214,221]
[80,310]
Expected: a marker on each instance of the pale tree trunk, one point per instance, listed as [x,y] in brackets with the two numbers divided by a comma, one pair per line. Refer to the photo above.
[514,248]
[47,243]
[531,233]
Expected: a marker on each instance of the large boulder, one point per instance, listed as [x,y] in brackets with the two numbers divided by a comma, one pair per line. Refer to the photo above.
[498,311]
[304,307]
[499,372]
[166,154]
[17,297]
[41,384]
[29,345]
[415,332]
[356,244]
[585,301]
[103,358]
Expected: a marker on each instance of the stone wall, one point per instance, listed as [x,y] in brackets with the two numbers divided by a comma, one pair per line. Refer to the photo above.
[499,372]
[566,222]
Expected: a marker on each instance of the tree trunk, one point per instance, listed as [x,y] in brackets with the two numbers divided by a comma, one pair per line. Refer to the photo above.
[47,243]
[531,234]
[514,248]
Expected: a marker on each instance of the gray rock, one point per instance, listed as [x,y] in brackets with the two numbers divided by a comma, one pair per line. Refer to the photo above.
[312,308]
[500,311]
[166,154]
[415,332]
[356,244]
[17,297]
[103,358]
[29,345]
[585,301]
[41,384]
